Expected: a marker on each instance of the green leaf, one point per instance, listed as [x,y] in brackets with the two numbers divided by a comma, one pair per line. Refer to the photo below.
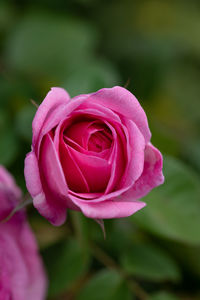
[191,151]
[24,120]
[91,77]
[150,262]
[171,26]
[9,146]
[45,44]
[188,257]
[162,296]
[107,285]
[173,209]
[65,263]
[6,16]
[183,75]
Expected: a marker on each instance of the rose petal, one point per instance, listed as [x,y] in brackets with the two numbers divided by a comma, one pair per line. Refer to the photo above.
[9,244]
[97,110]
[77,131]
[124,103]
[9,193]
[47,207]
[21,268]
[7,180]
[46,203]
[105,154]
[51,167]
[80,132]
[55,98]
[73,174]
[95,170]
[135,150]
[59,132]
[151,177]
[109,209]
[21,271]
[117,159]
[85,196]
[59,113]
[32,175]
[37,283]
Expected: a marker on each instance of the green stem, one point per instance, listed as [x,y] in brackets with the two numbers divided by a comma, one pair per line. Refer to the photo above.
[20,206]
[103,257]
[107,261]
[76,223]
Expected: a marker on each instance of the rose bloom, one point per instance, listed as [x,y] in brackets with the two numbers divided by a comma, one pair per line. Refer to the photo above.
[91,153]
[21,271]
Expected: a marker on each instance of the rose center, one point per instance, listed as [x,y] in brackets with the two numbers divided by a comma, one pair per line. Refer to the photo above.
[99,141]
[85,152]
[93,136]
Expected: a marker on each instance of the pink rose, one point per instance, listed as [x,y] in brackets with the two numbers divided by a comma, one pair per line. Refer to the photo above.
[21,271]
[91,153]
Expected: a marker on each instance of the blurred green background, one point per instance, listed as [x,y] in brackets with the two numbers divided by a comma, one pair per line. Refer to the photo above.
[84,45]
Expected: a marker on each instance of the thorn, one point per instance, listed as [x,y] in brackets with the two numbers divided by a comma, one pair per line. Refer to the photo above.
[34,103]
[127,83]
[101,223]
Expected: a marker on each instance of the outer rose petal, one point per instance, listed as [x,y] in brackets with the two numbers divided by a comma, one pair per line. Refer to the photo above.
[7,181]
[51,167]
[55,108]
[109,209]
[45,203]
[38,283]
[135,151]
[55,98]
[151,177]
[123,102]
[32,175]
[22,275]
[9,193]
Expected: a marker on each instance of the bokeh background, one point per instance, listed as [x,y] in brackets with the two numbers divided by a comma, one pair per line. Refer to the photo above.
[153,48]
